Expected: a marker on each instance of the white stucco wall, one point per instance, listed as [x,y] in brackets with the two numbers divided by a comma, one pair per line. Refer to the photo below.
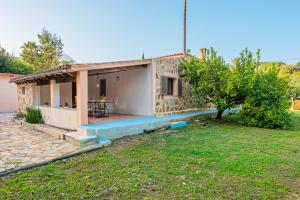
[132,89]
[44,94]
[60,117]
[66,94]
[8,94]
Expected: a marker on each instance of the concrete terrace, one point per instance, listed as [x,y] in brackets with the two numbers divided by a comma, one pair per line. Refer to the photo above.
[121,128]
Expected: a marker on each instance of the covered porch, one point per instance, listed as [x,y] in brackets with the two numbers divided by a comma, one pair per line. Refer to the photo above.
[81,94]
[118,93]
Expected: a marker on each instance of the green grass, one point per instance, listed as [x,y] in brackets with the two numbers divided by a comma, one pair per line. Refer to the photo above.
[220,160]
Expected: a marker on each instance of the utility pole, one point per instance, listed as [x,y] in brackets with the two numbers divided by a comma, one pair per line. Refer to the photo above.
[184,28]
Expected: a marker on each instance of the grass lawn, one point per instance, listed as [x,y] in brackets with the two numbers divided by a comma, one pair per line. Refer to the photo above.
[220,160]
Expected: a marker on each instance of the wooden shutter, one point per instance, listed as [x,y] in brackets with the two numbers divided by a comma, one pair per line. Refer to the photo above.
[74,94]
[103,87]
[180,87]
[164,85]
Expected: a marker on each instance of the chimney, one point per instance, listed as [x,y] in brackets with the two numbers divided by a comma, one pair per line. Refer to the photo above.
[203,53]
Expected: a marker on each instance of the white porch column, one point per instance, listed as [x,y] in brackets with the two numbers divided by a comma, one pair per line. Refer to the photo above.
[82,96]
[37,95]
[54,94]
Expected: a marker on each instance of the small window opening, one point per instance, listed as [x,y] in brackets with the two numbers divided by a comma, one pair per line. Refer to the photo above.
[170,86]
[23,90]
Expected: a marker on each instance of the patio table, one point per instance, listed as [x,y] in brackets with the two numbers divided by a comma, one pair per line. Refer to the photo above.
[98,108]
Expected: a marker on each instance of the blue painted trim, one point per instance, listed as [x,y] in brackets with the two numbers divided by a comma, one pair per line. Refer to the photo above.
[177,125]
[103,141]
[143,120]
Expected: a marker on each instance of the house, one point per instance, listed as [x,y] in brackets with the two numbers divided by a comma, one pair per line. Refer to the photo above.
[8,93]
[296,103]
[68,95]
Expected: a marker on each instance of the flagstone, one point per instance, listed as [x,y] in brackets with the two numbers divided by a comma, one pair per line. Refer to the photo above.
[21,146]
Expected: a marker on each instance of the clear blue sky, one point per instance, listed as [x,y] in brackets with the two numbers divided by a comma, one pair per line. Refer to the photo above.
[104,30]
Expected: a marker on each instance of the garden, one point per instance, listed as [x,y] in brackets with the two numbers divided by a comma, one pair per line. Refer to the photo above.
[209,159]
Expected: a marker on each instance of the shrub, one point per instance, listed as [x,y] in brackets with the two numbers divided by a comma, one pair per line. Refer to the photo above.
[268,102]
[33,116]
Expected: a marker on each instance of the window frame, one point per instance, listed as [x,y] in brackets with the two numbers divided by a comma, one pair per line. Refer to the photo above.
[170,86]
[175,78]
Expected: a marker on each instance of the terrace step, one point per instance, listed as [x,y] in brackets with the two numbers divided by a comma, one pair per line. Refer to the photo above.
[79,140]
[175,125]
[104,142]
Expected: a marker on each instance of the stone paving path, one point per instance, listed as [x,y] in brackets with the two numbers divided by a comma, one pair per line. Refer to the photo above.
[21,146]
[6,117]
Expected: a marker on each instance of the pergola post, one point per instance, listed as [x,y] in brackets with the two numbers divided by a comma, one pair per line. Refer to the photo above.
[54,94]
[82,96]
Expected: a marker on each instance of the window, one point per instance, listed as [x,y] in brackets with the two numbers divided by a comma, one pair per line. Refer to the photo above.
[23,90]
[102,87]
[170,86]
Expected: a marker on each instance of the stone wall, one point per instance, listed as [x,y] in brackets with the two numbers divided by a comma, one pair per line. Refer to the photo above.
[166,105]
[25,94]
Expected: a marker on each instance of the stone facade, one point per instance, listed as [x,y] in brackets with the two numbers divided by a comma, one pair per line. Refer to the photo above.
[25,94]
[167,105]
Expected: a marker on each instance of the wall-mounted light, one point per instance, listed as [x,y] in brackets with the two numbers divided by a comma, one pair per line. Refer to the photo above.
[97,81]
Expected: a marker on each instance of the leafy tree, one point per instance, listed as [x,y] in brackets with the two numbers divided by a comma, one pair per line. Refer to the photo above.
[296,79]
[11,64]
[66,60]
[297,66]
[288,72]
[268,102]
[215,82]
[209,79]
[242,73]
[19,66]
[4,59]
[44,55]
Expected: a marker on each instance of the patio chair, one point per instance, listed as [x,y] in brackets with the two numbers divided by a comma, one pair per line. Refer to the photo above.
[91,109]
[113,108]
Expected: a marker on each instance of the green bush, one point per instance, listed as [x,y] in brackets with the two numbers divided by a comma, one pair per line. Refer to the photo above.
[268,102]
[19,66]
[33,116]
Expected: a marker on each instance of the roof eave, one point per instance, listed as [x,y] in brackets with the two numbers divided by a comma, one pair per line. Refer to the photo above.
[107,65]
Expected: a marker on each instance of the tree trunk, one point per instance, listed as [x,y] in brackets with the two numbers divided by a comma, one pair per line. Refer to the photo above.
[219,115]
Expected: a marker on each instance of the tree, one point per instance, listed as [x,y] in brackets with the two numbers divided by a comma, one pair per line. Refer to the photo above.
[242,73]
[19,66]
[11,64]
[215,82]
[268,102]
[143,56]
[4,59]
[209,79]
[46,54]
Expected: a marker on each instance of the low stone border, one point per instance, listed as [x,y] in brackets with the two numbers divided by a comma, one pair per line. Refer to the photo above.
[36,165]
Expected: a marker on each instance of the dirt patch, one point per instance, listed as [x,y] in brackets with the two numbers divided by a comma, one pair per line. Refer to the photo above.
[295,185]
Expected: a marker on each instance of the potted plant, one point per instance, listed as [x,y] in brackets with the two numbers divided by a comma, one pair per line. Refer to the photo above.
[102,98]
